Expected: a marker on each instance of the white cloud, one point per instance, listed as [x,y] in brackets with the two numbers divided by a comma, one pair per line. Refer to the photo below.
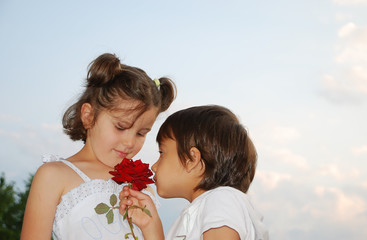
[36,141]
[340,90]
[284,134]
[337,173]
[343,17]
[11,135]
[352,44]
[361,150]
[271,180]
[349,82]
[287,156]
[52,127]
[345,207]
[347,29]
[10,118]
[359,78]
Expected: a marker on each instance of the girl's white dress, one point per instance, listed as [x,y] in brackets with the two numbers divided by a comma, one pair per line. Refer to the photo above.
[222,206]
[76,218]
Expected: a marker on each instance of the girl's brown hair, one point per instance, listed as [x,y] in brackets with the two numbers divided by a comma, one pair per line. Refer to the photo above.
[227,152]
[108,82]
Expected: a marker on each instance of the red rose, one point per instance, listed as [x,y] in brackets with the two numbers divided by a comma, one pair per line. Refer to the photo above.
[135,172]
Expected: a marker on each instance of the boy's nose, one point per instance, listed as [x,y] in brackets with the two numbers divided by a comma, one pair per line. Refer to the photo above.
[154,167]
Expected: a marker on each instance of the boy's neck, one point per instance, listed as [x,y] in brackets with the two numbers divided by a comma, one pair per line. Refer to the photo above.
[196,194]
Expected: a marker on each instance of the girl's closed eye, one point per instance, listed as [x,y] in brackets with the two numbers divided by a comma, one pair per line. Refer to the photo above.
[119,127]
[143,133]
[122,125]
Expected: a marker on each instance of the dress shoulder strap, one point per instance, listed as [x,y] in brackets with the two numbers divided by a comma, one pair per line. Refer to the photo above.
[55,158]
[77,170]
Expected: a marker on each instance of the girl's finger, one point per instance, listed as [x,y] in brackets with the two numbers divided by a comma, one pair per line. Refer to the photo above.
[137,194]
[125,203]
[124,194]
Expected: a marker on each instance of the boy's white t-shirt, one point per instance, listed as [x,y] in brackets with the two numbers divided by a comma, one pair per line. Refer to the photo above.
[222,206]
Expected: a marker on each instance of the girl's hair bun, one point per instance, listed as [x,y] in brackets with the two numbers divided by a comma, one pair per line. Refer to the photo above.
[103,69]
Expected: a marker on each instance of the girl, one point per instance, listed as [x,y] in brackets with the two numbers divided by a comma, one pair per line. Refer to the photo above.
[112,117]
[207,158]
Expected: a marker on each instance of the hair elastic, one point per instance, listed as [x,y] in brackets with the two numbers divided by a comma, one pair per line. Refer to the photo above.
[157,82]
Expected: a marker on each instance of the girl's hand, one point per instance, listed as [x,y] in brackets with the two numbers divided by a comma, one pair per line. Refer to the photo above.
[151,226]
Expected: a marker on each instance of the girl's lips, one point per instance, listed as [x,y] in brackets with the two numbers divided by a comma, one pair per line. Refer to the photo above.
[121,154]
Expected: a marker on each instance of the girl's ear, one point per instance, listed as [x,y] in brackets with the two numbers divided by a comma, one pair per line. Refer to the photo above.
[86,115]
[195,162]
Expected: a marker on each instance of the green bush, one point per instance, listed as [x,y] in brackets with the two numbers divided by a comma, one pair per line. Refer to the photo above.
[12,206]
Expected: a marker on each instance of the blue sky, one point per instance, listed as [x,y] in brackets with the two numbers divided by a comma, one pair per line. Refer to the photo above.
[295,72]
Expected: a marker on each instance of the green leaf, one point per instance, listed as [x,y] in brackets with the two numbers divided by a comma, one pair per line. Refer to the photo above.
[147,212]
[102,208]
[113,200]
[125,215]
[109,217]
[127,235]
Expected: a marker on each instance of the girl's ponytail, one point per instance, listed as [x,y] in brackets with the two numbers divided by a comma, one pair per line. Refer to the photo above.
[167,89]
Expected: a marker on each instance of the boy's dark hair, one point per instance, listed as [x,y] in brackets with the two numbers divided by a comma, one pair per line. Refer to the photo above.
[226,149]
[109,82]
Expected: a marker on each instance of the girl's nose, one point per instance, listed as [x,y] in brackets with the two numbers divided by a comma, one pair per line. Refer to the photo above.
[129,140]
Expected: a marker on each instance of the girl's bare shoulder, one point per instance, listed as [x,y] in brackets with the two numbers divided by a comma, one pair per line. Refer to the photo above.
[52,170]
[56,177]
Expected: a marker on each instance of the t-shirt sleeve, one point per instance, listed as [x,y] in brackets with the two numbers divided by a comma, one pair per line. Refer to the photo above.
[224,208]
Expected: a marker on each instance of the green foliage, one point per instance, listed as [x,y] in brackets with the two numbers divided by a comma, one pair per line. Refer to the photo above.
[103,208]
[12,206]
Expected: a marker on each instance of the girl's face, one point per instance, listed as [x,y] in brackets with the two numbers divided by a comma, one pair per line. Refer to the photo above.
[170,175]
[115,135]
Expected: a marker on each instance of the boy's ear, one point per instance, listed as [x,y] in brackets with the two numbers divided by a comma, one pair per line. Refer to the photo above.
[195,161]
[86,115]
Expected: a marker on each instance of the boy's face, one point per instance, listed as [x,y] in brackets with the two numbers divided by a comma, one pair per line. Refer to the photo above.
[170,175]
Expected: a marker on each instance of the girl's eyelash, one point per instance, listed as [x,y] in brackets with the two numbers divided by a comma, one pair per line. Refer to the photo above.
[123,128]
[119,128]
